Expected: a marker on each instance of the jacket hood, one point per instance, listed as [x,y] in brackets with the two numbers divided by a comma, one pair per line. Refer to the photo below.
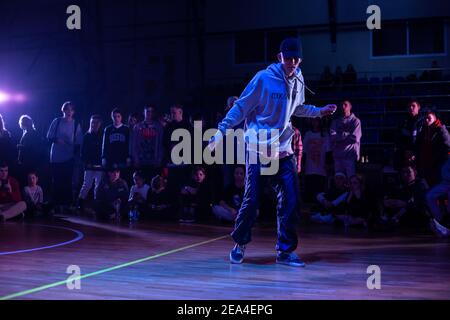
[277,70]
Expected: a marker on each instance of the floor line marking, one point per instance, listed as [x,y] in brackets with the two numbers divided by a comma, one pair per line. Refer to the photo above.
[79,236]
[124,265]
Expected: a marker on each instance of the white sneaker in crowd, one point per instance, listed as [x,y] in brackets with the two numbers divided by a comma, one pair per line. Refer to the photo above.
[439,229]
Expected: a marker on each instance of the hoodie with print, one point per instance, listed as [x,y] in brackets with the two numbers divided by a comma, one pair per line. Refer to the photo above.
[268,102]
[147,143]
[345,137]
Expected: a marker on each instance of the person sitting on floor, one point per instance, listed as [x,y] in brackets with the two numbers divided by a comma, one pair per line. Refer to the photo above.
[138,195]
[231,201]
[11,204]
[158,199]
[112,196]
[357,206]
[34,196]
[196,198]
[331,202]
[406,204]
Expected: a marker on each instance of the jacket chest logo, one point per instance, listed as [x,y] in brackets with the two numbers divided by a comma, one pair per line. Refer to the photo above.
[278,96]
[117,137]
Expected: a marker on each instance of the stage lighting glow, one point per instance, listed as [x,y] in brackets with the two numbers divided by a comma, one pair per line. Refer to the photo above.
[4,97]
[19,97]
[12,97]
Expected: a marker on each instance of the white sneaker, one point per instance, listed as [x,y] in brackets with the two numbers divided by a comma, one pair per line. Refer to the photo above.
[439,229]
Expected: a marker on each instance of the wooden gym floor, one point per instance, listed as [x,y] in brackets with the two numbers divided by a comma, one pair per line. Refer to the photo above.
[171,261]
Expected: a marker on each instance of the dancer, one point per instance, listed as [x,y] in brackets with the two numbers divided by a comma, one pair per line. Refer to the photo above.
[268,102]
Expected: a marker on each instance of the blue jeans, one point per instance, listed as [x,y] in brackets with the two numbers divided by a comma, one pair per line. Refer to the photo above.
[287,187]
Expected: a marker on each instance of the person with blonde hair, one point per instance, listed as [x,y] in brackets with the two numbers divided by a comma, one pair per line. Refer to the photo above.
[30,148]
[66,137]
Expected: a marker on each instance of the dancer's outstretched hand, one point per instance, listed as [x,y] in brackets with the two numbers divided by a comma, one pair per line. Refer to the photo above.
[328,110]
[215,140]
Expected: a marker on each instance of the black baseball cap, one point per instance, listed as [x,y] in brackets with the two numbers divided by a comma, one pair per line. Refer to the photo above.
[291,48]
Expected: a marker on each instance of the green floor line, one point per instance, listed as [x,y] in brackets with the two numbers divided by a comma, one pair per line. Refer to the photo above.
[124,265]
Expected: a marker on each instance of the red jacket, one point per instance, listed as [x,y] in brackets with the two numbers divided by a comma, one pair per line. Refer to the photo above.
[14,196]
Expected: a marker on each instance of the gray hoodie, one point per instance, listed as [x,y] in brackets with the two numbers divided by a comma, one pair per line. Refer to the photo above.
[63,129]
[268,102]
[345,136]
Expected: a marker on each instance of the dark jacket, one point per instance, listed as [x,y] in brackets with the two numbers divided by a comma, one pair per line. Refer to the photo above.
[108,192]
[413,194]
[91,150]
[116,145]
[31,149]
[408,132]
[432,149]
[7,148]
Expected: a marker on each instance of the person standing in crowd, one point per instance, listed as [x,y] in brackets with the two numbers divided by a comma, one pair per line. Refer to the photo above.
[116,143]
[7,152]
[179,172]
[345,139]
[133,119]
[407,136]
[268,102]
[66,136]
[316,145]
[297,148]
[147,144]
[432,148]
[177,121]
[11,204]
[91,156]
[30,148]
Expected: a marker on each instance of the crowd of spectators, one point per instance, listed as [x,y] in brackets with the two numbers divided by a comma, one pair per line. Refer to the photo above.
[118,171]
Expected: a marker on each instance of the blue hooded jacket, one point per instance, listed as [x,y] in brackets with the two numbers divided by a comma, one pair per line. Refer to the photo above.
[268,102]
